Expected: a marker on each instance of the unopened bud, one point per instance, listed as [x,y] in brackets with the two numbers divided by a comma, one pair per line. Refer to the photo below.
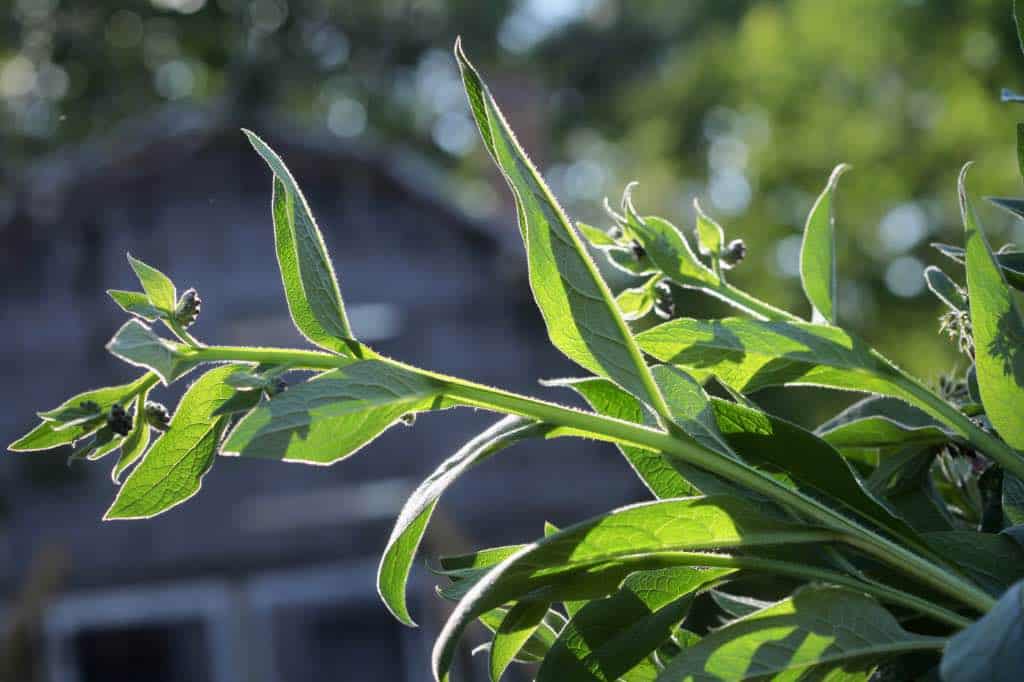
[733,253]
[157,415]
[188,308]
[119,421]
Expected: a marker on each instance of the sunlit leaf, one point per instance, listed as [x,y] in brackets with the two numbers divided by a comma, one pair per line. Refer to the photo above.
[516,628]
[818,252]
[158,287]
[136,303]
[135,443]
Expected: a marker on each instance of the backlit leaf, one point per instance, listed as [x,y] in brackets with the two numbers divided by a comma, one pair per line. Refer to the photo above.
[818,252]
[138,345]
[158,287]
[136,303]
[518,625]
[136,442]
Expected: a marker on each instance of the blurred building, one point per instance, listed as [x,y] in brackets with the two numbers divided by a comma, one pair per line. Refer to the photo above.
[268,573]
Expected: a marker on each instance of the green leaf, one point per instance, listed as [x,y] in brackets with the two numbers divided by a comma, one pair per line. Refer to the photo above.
[538,645]
[772,443]
[596,236]
[751,354]
[244,380]
[310,284]
[575,302]
[608,637]
[883,432]
[1013,499]
[1018,22]
[993,561]
[632,534]
[241,401]
[998,330]
[136,303]
[106,441]
[393,573]
[56,430]
[668,249]
[518,626]
[334,414]
[652,468]
[904,480]
[158,286]
[710,235]
[138,345]
[818,631]
[818,252]
[173,470]
[136,442]
[636,302]
[990,649]
[1011,262]
[735,605]
[944,288]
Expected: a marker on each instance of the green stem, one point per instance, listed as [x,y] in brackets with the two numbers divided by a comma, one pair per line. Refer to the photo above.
[980,439]
[738,298]
[691,452]
[883,593]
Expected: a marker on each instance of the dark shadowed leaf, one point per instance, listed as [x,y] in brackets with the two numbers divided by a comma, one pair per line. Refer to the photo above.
[998,330]
[1011,262]
[819,631]
[994,561]
[1013,499]
[173,469]
[135,443]
[990,649]
[310,284]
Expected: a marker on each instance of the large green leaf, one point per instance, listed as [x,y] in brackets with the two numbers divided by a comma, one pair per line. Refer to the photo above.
[632,538]
[173,469]
[61,426]
[575,302]
[158,287]
[138,345]
[998,330]
[819,633]
[334,414]
[608,637]
[397,558]
[990,650]
[516,628]
[751,354]
[310,284]
[814,466]
[883,432]
[818,252]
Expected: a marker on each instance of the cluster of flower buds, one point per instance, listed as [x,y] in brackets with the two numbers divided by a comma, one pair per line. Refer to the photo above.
[119,421]
[734,252]
[187,310]
[157,415]
[957,326]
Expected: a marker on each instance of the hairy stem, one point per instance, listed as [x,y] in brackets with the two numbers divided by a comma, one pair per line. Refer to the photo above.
[609,428]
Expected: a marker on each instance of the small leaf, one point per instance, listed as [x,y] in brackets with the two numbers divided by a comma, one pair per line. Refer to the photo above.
[993,561]
[575,302]
[596,236]
[518,626]
[52,433]
[990,649]
[310,284]
[998,330]
[817,631]
[396,561]
[1011,262]
[138,345]
[173,470]
[158,286]
[135,443]
[136,303]
[638,531]
[631,262]
[818,252]
[334,414]
[637,302]
[1013,499]
[944,288]
[668,248]
[710,235]
[608,637]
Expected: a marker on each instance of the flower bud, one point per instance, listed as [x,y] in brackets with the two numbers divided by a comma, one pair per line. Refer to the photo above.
[157,415]
[188,308]
[119,421]
[733,253]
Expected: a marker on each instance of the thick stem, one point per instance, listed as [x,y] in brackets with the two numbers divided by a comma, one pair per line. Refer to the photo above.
[738,298]
[883,593]
[691,452]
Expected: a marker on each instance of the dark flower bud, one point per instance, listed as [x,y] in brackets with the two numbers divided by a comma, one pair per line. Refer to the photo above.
[119,421]
[664,303]
[733,253]
[408,419]
[638,250]
[157,415]
[275,386]
[188,308]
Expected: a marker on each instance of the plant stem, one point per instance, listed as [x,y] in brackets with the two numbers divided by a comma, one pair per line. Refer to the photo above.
[738,298]
[980,439]
[689,451]
[883,593]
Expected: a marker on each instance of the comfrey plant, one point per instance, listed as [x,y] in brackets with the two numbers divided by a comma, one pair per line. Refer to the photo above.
[873,546]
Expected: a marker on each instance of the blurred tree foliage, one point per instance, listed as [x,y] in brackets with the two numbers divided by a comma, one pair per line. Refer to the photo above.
[747,105]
